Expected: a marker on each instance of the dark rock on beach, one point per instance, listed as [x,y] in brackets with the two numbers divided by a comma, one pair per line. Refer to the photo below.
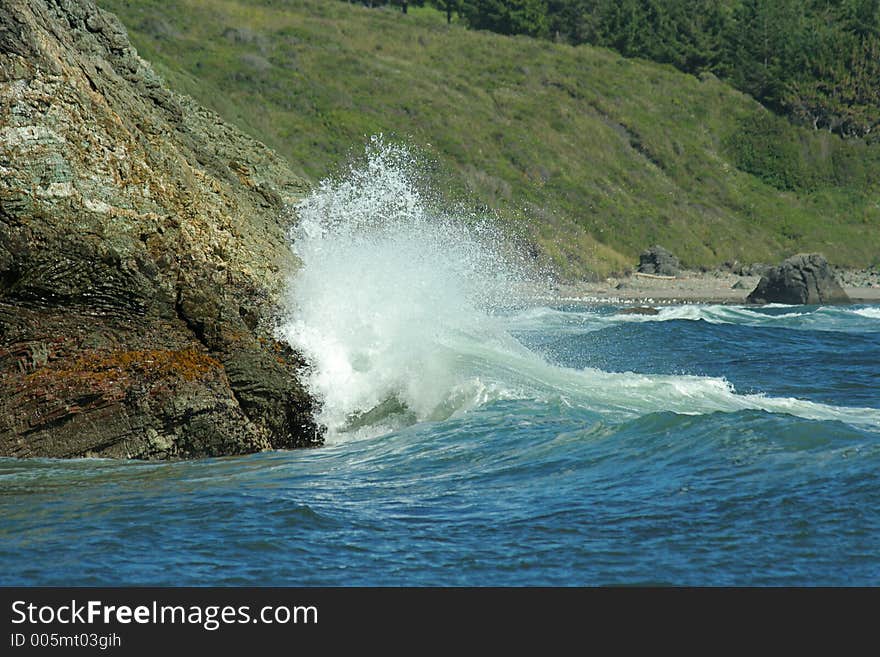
[801,279]
[142,253]
[639,310]
[657,260]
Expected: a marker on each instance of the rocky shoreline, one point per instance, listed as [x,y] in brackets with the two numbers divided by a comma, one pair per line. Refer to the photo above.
[712,287]
[142,253]
[660,279]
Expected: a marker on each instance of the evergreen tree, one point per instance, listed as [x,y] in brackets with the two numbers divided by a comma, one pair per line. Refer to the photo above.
[448,6]
[762,50]
[507,16]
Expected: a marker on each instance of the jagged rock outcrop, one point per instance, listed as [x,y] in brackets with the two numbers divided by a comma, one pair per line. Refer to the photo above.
[801,279]
[141,252]
[657,260]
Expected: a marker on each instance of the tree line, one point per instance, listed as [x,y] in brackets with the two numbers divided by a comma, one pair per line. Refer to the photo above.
[815,61]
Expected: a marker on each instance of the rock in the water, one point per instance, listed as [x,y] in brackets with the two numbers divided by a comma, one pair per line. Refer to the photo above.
[801,279]
[142,247]
[659,261]
[639,310]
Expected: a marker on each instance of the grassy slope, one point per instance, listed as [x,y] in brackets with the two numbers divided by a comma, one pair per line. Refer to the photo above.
[600,155]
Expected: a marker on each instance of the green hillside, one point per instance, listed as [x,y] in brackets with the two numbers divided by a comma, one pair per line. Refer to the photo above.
[598,155]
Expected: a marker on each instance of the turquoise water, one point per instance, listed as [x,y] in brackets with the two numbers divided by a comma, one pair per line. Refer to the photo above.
[480,435]
[547,489]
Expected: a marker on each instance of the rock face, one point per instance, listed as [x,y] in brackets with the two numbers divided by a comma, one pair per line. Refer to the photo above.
[801,279]
[141,252]
[754,269]
[658,260]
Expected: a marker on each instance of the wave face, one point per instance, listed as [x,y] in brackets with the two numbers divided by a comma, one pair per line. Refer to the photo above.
[408,314]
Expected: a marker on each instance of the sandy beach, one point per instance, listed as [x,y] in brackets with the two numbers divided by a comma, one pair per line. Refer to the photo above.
[688,287]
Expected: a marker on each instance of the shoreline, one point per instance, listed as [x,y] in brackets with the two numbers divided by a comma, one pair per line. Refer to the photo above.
[689,287]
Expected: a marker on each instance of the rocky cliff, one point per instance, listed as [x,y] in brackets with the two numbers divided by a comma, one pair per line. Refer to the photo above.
[141,251]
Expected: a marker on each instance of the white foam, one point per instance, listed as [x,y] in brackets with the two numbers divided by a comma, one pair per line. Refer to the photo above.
[871,313]
[825,318]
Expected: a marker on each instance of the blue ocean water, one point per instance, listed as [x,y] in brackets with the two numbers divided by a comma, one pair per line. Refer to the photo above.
[518,491]
[479,436]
